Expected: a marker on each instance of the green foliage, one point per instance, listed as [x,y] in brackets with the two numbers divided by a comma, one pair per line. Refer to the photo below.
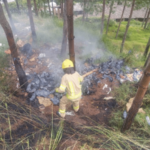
[121,35]
[124,92]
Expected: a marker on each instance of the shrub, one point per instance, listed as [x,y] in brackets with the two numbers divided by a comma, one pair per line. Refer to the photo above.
[121,35]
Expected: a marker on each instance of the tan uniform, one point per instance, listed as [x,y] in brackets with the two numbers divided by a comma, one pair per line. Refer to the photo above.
[72,84]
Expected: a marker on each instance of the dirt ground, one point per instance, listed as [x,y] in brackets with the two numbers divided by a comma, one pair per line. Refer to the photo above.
[94,109]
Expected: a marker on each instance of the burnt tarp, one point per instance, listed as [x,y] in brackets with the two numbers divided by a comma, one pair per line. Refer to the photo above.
[112,67]
[27,50]
[43,85]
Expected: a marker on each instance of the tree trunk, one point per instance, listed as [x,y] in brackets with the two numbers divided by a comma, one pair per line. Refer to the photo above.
[147,19]
[124,38]
[35,8]
[9,15]
[145,16]
[147,48]
[44,9]
[65,32]
[121,18]
[18,7]
[103,15]
[61,5]
[53,7]
[83,16]
[49,8]
[31,21]
[147,60]
[5,25]
[70,30]
[111,7]
[143,85]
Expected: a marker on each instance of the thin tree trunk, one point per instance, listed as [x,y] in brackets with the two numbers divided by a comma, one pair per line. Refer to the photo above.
[70,30]
[145,16]
[18,7]
[49,7]
[121,18]
[44,8]
[31,21]
[83,16]
[103,15]
[147,60]
[124,38]
[5,25]
[65,32]
[53,7]
[147,19]
[61,5]
[111,7]
[35,8]
[147,48]
[143,85]
[9,15]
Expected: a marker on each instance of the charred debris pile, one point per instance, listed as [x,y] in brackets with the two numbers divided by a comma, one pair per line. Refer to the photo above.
[43,83]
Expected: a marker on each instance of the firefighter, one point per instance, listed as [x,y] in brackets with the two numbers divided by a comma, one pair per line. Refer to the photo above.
[71,83]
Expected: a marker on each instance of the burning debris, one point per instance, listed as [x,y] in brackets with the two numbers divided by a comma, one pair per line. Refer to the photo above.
[43,85]
[44,75]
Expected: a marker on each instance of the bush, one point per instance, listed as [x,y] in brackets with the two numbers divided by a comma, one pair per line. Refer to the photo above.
[112,23]
[121,35]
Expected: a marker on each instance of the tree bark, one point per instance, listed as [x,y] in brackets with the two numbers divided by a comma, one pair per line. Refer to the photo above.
[31,21]
[53,7]
[103,15]
[111,7]
[70,30]
[62,8]
[49,7]
[143,85]
[35,8]
[65,32]
[147,48]
[147,60]
[124,38]
[121,18]
[18,7]
[145,16]
[147,19]
[83,16]
[5,25]
[9,15]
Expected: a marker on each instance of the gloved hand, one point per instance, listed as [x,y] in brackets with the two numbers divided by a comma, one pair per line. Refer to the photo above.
[56,89]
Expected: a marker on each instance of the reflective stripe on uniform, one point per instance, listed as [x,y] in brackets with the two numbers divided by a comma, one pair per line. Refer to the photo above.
[62,87]
[80,79]
[71,88]
[74,96]
[77,107]
[62,111]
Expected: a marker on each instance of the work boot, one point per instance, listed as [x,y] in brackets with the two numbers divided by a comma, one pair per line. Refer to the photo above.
[60,114]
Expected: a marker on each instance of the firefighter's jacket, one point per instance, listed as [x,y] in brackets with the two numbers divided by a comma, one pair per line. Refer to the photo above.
[72,84]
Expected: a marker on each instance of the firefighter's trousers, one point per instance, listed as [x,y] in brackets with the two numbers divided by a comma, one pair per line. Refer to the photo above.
[64,101]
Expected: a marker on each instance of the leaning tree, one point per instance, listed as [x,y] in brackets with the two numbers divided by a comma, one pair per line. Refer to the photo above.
[9,15]
[19,70]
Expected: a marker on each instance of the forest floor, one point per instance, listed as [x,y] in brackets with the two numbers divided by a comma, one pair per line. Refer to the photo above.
[97,124]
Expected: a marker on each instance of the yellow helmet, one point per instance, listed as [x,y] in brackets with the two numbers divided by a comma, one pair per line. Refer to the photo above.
[67,64]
